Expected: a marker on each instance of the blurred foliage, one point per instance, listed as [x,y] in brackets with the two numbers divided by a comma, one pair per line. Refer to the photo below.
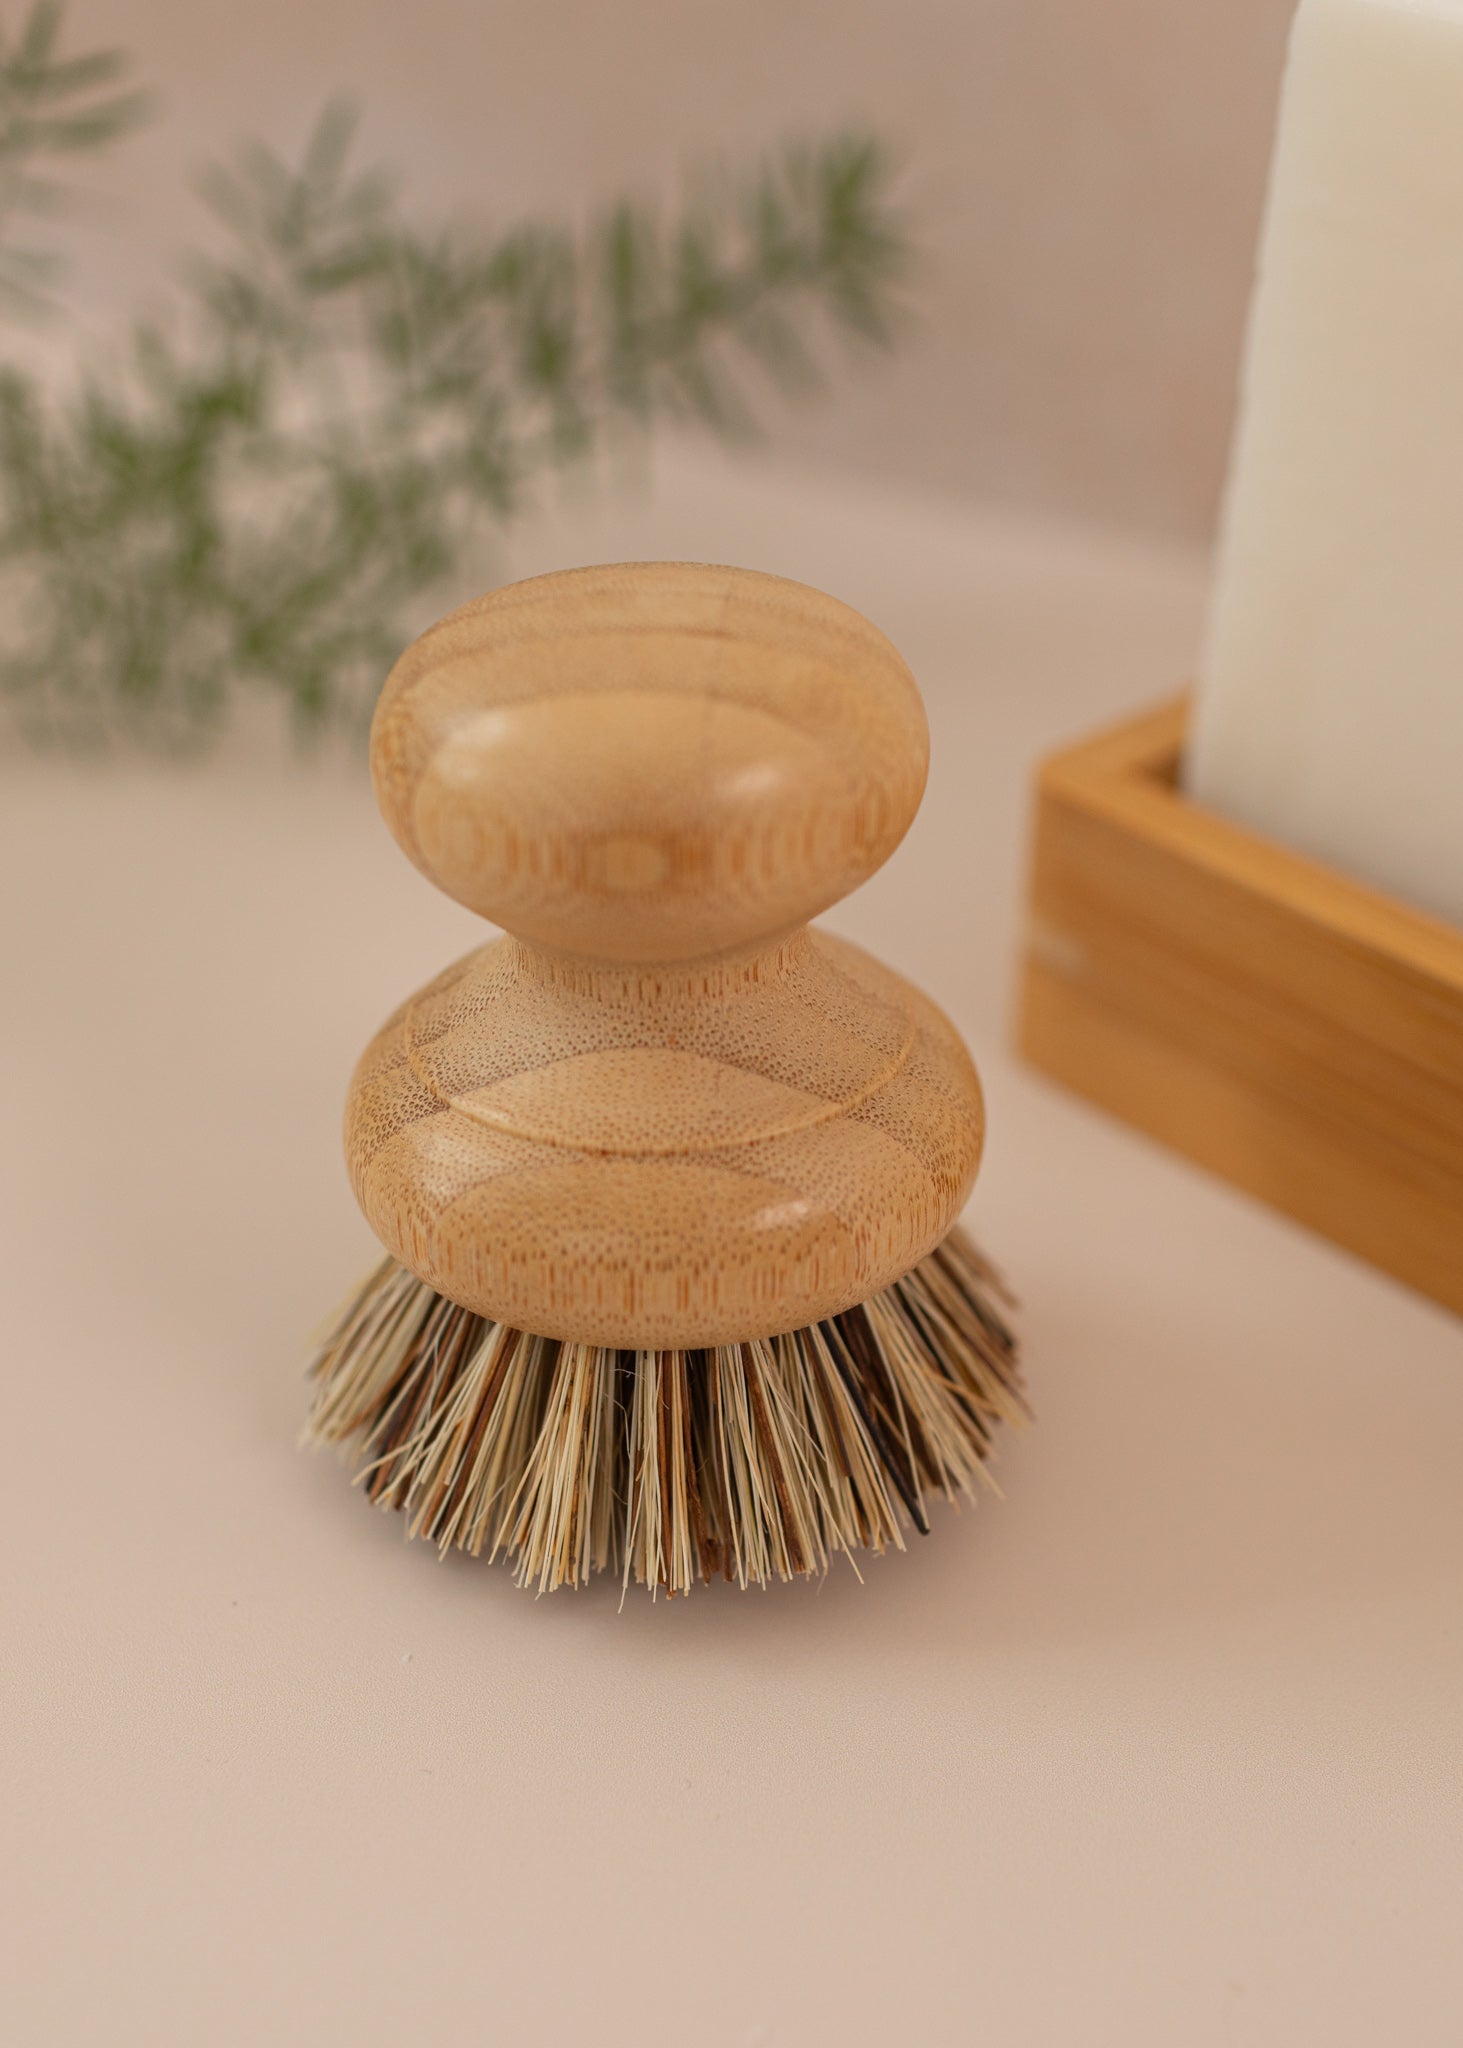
[267,484]
[51,107]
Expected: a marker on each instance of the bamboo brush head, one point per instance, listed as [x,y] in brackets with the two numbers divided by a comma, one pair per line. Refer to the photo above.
[667,1177]
[661,1112]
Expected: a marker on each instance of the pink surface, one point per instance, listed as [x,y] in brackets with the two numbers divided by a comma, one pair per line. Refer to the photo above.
[1164,1747]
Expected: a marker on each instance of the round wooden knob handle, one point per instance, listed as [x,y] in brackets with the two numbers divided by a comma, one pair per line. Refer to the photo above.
[651,762]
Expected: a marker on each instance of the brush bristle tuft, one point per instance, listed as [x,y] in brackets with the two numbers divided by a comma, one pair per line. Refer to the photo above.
[751,1461]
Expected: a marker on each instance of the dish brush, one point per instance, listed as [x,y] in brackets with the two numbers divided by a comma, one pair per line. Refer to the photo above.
[668,1179]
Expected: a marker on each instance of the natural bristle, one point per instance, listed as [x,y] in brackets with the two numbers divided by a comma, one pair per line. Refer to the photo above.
[751,1462]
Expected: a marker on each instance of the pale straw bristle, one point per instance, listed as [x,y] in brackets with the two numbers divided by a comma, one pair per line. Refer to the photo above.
[752,1461]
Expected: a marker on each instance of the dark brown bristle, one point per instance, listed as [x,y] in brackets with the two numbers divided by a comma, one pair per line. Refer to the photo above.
[758,1461]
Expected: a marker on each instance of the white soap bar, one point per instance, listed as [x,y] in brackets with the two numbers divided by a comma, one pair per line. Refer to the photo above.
[1330,706]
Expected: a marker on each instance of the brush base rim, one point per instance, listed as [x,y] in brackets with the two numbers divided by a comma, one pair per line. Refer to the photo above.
[644,1172]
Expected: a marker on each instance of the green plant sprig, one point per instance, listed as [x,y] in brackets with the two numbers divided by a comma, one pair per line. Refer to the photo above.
[51,108]
[267,486]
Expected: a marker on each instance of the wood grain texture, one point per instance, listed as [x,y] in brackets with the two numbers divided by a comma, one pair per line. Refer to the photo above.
[1289,1028]
[656,761]
[661,1112]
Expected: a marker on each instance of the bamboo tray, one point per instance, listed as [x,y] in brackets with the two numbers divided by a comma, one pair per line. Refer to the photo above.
[1286,1027]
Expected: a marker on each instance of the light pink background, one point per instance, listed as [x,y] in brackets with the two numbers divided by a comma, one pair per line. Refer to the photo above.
[1087,178]
[1160,1751]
